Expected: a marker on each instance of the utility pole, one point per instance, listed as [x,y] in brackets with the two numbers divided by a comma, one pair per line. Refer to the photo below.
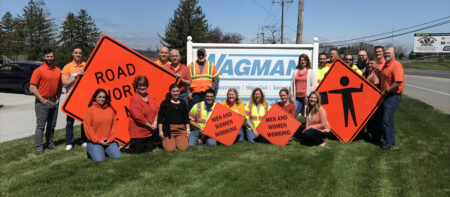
[301,4]
[282,14]
[262,33]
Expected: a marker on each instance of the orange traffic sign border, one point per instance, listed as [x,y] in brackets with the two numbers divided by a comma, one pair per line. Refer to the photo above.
[366,82]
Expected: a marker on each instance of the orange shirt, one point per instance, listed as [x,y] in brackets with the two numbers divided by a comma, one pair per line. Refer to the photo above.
[239,108]
[141,112]
[100,123]
[163,65]
[381,64]
[318,120]
[47,80]
[392,72]
[182,71]
[71,69]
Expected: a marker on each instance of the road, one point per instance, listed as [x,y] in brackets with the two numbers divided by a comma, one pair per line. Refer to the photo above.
[17,117]
[434,91]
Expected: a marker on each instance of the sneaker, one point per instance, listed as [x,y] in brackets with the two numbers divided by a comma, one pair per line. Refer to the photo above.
[69,147]
[84,144]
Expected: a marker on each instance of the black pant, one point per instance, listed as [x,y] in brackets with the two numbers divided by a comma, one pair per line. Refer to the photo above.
[141,145]
[313,137]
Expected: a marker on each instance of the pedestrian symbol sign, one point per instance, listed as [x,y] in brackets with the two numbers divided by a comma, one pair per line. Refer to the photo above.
[348,99]
[113,67]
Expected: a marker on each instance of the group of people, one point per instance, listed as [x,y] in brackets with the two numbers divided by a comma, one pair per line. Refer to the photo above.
[180,119]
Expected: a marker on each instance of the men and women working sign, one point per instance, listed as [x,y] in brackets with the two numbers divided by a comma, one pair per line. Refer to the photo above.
[349,99]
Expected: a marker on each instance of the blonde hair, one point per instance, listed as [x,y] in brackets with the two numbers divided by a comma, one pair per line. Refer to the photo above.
[314,109]
[237,101]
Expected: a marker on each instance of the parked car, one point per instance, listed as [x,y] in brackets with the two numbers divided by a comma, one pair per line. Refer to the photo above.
[17,75]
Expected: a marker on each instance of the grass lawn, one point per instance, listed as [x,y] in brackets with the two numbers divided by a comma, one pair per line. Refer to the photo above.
[427,65]
[419,165]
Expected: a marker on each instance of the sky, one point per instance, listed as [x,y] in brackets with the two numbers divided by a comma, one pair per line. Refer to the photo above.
[137,23]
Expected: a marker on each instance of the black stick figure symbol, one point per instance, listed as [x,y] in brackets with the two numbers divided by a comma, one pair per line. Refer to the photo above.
[347,100]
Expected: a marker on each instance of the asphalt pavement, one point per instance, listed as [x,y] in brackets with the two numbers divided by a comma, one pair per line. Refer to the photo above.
[17,116]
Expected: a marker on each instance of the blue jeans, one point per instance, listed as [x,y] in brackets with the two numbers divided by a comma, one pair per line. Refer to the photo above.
[69,131]
[390,105]
[299,103]
[240,136]
[97,151]
[195,135]
[250,135]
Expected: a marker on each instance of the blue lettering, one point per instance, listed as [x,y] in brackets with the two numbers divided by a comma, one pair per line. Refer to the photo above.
[245,69]
[212,58]
[257,67]
[227,68]
[278,68]
[292,66]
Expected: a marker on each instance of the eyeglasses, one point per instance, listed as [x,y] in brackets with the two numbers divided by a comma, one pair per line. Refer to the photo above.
[200,54]
[348,59]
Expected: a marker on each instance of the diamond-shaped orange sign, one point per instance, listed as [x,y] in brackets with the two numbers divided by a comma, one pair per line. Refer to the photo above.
[349,100]
[223,125]
[278,126]
[113,67]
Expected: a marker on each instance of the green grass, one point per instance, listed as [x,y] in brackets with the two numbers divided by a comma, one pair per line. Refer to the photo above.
[417,166]
[427,65]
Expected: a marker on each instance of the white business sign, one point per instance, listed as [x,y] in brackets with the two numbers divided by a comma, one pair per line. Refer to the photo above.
[249,66]
[432,43]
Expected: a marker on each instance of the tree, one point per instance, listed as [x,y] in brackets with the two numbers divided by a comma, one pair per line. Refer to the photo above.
[38,29]
[10,35]
[76,31]
[274,35]
[216,36]
[188,20]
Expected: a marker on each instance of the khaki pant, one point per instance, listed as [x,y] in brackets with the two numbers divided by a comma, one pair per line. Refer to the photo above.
[178,138]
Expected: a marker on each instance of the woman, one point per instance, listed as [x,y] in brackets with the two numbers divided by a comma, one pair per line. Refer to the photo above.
[303,81]
[234,103]
[173,121]
[255,110]
[317,127]
[143,119]
[100,127]
[284,102]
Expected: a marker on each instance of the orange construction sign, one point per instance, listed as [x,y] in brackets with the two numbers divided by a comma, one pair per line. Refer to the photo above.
[223,125]
[113,67]
[278,126]
[349,100]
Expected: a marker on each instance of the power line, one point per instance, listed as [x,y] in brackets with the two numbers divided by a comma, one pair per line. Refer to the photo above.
[390,32]
[400,34]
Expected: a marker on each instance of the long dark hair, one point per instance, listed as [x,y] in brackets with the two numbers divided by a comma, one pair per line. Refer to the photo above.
[252,99]
[168,97]
[107,99]
[308,62]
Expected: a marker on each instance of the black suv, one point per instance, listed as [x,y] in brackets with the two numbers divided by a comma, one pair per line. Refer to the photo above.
[17,75]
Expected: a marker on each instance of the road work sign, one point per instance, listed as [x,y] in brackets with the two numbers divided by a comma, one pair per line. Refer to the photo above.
[113,67]
[348,99]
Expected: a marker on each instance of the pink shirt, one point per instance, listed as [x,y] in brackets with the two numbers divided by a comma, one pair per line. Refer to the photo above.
[300,83]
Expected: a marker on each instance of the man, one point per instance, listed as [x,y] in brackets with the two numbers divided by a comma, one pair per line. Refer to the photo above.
[349,60]
[198,116]
[333,55]
[362,62]
[70,73]
[163,57]
[204,76]
[380,57]
[391,84]
[322,68]
[45,84]
[181,72]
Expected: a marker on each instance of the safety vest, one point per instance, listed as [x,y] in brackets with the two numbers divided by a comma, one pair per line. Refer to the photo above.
[200,114]
[202,81]
[255,116]
[321,71]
